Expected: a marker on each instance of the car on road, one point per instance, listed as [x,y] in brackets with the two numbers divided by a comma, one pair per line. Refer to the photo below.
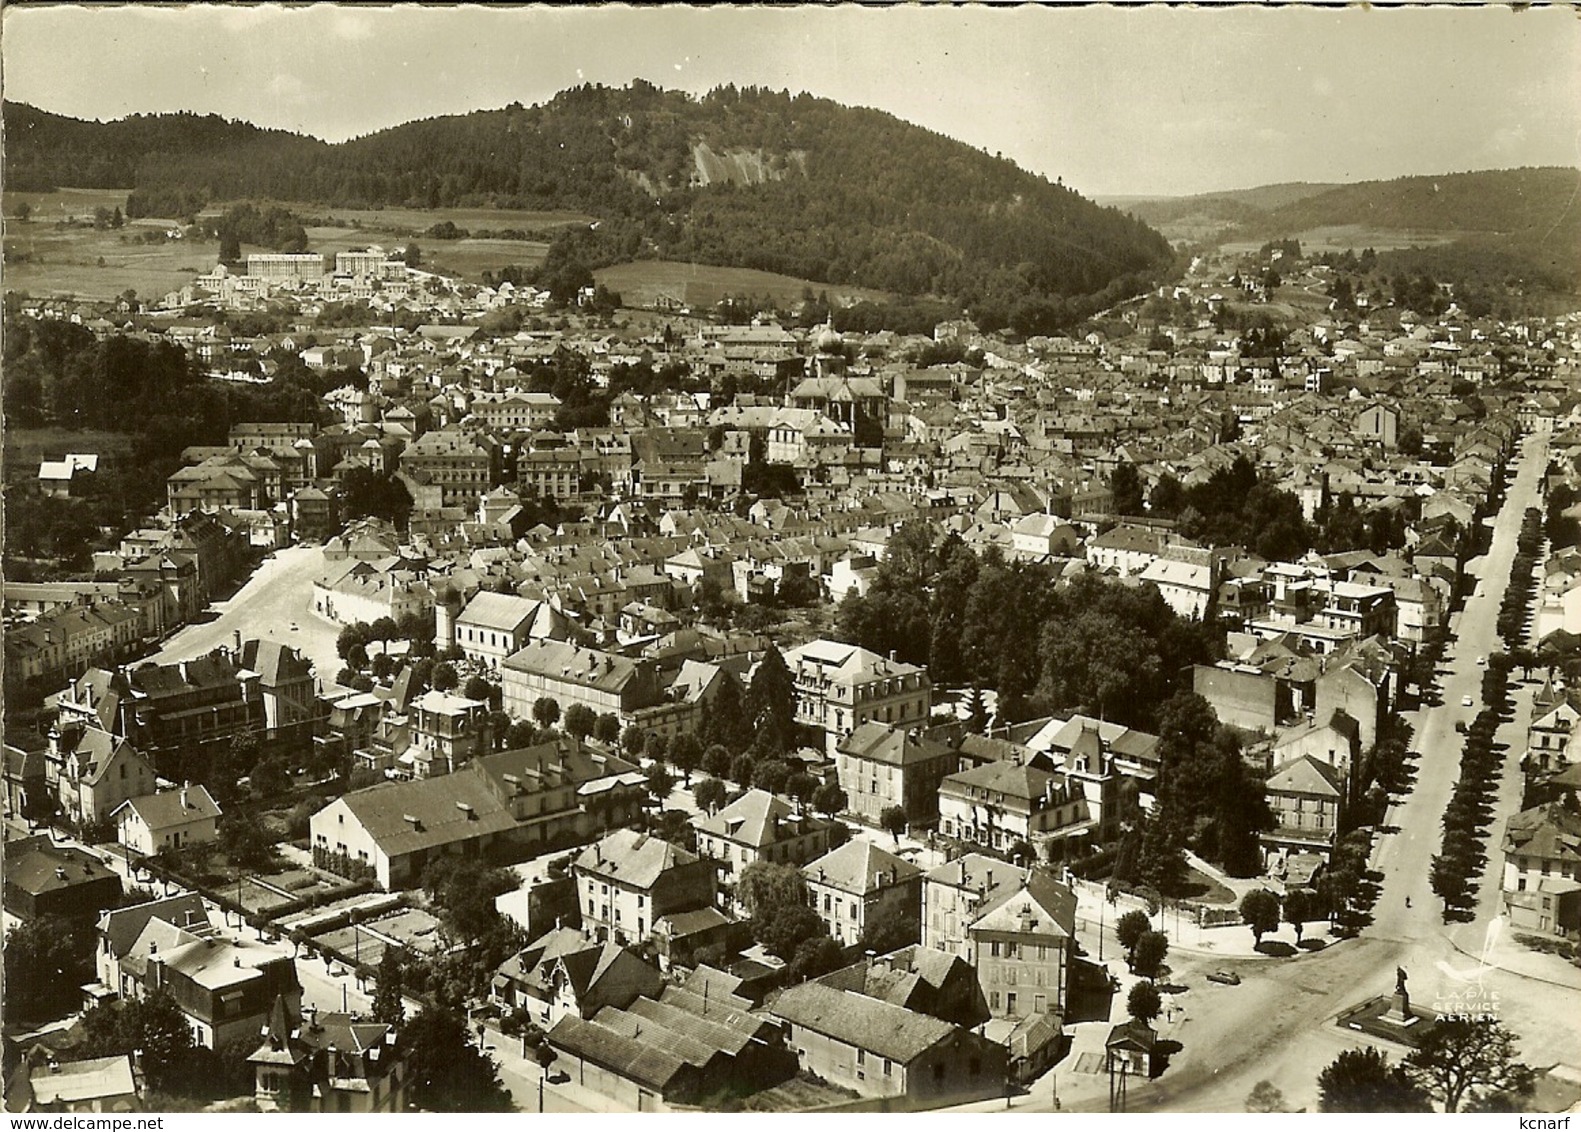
[1460,726]
[294,627]
[1467,701]
[1228,978]
[557,1077]
[1482,662]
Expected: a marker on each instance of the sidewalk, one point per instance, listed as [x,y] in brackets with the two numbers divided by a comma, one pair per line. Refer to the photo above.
[1231,941]
[1495,947]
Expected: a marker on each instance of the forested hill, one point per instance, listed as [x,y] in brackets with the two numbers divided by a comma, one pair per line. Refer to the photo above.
[739,177]
[1521,203]
[45,151]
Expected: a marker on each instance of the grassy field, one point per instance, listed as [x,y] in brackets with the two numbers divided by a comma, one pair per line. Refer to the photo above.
[25,447]
[1355,237]
[64,204]
[42,259]
[470,258]
[647,282]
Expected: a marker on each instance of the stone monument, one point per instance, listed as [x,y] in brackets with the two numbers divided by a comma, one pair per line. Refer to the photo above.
[1399,1011]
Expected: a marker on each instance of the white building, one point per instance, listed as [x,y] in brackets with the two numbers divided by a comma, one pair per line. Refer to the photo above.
[171,819]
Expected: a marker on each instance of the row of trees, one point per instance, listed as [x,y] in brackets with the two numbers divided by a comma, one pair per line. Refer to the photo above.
[1467,822]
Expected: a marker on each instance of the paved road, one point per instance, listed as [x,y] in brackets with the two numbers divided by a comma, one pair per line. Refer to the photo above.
[277,596]
[1404,857]
[1278,1025]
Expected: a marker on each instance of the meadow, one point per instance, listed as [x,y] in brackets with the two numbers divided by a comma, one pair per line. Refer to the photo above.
[650,282]
[89,263]
[1353,237]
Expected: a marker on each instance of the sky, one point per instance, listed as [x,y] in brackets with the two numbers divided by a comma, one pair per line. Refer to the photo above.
[1114,101]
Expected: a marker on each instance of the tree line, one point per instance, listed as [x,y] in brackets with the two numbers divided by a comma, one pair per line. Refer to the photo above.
[842,200]
[1094,644]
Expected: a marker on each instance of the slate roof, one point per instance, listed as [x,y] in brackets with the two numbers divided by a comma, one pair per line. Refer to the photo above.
[758,818]
[878,1027]
[1014,780]
[1038,905]
[860,867]
[891,745]
[383,811]
[76,1082]
[906,977]
[34,866]
[120,927]
[1307,775]
[633,859]
[1550,832]
[588,667]
[173,807]
[639,1061]
[275,662]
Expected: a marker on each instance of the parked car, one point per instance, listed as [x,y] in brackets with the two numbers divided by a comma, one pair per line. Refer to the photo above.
[1228,978]
[1467,701]
[1460,726]
[557,1077]
[1482,662]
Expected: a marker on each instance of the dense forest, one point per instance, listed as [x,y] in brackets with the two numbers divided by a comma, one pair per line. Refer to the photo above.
[739,177]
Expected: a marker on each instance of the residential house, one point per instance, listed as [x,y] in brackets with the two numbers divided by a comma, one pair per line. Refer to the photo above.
[884,764]
[91,772]
[285,682]
[759,826]
[1003,803]
[544,797]
[27,796]
[1021,942]
[839,687]
[850,887]
[929,982]
[1187,579]
[322,1061]
[170,819]
[1335,741]
[566,973]
[45,879]
[1542,843]
[120,929]
[570,674]
[493,626]
[1126,550]
[446,731]
[628,880]
[955,892]
[1307,796]
[1548,736]
[95,1084]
